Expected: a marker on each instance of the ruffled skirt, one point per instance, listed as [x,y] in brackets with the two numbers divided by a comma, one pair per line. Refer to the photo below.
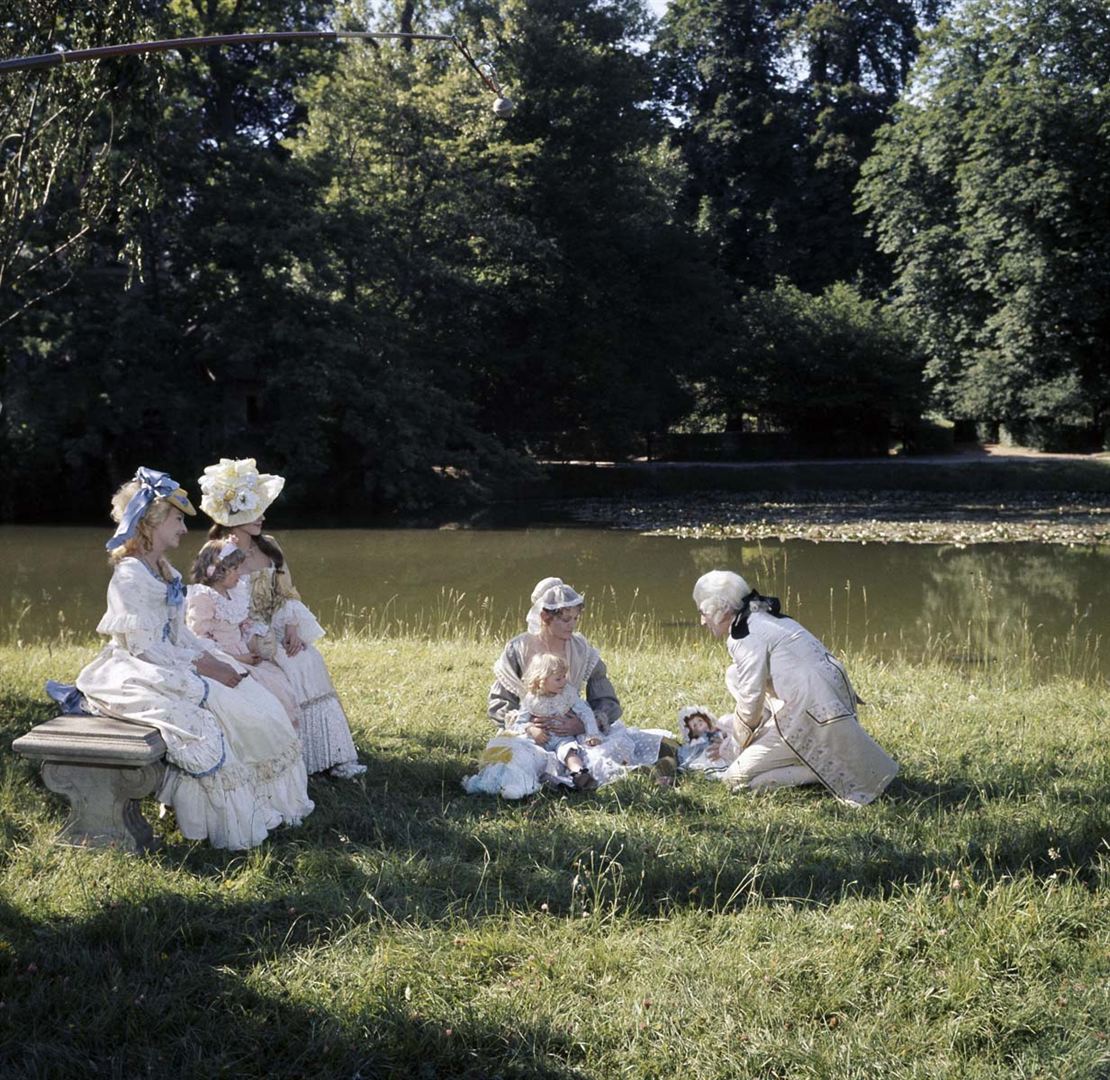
[325,734]
[235,768]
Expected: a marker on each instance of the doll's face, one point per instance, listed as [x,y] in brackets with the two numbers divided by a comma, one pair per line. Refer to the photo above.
[697,725]
[555,682]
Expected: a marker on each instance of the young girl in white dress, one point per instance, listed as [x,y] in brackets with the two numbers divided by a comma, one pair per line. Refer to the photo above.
[216,610]
[235,497]
[234,765]
[548,694]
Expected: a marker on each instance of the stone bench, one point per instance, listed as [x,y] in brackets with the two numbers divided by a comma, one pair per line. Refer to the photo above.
[103,767]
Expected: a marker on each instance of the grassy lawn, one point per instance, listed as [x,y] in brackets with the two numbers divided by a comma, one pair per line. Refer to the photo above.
[958,928]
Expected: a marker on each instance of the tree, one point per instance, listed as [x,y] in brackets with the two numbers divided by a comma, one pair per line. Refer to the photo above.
[624,296]
[991,191]
[776,104]
[531,271]
[839,371]
[60,174]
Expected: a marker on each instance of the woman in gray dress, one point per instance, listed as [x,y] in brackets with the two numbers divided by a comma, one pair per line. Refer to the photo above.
[552,628]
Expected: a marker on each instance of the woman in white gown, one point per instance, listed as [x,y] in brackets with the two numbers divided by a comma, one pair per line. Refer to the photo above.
[236,496]
[234,765]
[794,718]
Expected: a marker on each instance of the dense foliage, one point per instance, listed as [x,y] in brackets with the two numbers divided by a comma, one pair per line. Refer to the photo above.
[992,192]
[335,259]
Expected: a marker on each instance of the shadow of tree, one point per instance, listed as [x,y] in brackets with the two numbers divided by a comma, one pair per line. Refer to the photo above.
[151,989]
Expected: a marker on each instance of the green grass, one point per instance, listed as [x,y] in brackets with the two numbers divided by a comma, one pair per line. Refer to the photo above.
[958,928]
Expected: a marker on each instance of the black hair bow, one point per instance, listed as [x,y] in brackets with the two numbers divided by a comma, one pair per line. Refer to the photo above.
[771,604]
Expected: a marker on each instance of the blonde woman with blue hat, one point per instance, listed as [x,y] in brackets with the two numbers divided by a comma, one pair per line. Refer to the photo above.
[234,764]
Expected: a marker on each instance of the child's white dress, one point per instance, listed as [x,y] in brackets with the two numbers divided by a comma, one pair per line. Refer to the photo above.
[544,706]
[235,767]
[609,760]
[224,620]
[274,604]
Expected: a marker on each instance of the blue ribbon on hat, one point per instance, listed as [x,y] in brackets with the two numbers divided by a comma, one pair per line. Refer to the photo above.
[152,485]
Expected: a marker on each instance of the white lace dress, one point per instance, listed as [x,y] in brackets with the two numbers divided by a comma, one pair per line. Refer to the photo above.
[235,768]
[325,734]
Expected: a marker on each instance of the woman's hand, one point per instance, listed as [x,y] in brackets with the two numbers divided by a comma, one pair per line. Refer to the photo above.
[292,641]
[568,724]
[209,667]
[247,658]
[537,733]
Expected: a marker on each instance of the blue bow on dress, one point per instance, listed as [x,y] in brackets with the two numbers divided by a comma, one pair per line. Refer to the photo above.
[175,592]
[68,697]
[152,485]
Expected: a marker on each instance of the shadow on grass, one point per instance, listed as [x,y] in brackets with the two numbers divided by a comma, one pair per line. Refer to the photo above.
[164,988]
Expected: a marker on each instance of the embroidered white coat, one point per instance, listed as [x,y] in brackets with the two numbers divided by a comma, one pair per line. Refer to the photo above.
[783,675]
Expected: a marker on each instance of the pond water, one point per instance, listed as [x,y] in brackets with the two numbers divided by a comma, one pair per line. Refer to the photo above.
[974,605]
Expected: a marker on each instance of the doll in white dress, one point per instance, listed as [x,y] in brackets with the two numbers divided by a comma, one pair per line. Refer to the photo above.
[706,743]
[236,496]
[216,610]
[234,765]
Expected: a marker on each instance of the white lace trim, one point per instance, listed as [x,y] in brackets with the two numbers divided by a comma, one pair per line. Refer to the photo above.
[232,608]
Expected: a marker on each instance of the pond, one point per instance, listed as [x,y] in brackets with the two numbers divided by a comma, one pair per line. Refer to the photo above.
[971,605]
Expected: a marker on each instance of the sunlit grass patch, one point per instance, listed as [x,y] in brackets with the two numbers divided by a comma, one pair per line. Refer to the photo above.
[956,928]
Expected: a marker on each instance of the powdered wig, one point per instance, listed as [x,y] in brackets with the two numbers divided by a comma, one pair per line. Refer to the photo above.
[540,668]
[155,514]
[720,591]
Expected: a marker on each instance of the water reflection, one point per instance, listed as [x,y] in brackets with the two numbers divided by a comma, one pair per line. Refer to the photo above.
[970,605]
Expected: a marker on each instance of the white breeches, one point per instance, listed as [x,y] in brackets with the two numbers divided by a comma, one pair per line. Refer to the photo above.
[767,762]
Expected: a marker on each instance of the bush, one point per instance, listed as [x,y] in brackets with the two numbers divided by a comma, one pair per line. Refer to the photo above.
[838,371]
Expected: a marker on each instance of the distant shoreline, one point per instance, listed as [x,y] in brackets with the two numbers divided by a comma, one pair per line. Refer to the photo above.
[914,517]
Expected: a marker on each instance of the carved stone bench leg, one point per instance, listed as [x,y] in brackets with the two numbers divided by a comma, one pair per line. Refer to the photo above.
[104,808]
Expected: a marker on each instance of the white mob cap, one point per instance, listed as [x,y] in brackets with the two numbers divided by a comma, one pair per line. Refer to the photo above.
[720,589]
[551,594]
